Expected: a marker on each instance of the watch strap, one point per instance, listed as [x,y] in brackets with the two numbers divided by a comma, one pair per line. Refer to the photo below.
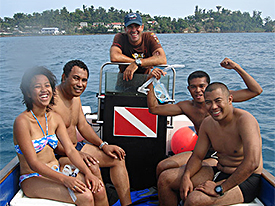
[102,144]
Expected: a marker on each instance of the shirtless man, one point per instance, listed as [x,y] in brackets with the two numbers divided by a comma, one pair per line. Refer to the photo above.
[195,109]
[68,105]
[235,135]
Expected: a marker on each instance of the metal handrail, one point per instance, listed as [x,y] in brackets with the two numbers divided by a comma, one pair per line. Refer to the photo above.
[119,63]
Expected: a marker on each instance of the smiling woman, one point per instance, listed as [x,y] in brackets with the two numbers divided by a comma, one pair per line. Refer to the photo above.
[39,168]
[37,75]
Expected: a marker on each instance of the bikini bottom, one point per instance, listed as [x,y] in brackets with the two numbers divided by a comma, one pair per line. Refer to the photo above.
[55,168]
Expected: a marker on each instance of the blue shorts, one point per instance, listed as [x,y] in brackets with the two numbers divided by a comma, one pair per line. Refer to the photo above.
[79,146]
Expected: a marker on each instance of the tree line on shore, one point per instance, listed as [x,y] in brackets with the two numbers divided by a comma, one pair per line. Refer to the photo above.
[101,21]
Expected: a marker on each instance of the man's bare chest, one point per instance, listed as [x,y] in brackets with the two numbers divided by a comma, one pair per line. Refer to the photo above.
[68,113]
[69,117]
[197,116]
[226,141]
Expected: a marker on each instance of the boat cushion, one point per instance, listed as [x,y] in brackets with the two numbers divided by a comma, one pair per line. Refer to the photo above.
[21,200]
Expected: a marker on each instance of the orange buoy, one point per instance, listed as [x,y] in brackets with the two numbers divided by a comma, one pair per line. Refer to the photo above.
[184,139]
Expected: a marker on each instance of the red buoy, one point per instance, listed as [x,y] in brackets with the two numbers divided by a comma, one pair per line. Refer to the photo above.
[184,139]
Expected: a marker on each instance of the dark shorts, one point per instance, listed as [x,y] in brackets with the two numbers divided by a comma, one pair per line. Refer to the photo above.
[79,146]
[250,187]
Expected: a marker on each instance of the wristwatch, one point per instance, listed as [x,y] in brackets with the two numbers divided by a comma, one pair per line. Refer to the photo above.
[138,62]
[102,144]
[218,189]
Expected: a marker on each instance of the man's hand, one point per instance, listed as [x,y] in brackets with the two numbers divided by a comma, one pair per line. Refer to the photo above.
[114,151]
[228,64]
[157,73]
[88,159]
[129,71]
[186,187]
[208,188]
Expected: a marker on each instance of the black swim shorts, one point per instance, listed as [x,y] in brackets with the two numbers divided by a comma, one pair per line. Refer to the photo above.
[250,187]
[211,154]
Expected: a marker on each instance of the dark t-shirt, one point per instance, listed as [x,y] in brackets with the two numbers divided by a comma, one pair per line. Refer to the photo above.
[145,49]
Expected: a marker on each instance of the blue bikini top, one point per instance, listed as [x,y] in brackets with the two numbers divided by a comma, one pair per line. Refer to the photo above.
[39,144]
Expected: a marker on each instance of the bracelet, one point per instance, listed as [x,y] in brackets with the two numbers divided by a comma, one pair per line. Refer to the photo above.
[102,144]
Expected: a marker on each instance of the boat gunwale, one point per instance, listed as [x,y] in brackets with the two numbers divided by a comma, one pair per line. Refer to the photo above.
[268,177]
[8,169]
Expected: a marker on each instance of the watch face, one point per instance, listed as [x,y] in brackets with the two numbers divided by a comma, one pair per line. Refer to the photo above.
[138,62]
[218,189]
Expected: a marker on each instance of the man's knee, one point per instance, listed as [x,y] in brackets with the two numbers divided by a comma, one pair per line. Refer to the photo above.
[161,167]
[95,170]
[195,198]
[100,195]
[120,163]
[164,179]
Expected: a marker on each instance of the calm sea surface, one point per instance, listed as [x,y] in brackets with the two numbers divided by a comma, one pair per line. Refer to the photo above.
[254,52]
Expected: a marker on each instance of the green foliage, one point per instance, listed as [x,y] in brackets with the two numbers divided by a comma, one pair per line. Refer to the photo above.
[222,20]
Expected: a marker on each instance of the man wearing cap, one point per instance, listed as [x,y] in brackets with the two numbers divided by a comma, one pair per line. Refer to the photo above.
[141,49]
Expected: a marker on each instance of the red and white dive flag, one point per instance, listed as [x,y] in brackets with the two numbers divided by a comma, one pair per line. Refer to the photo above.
[134,122]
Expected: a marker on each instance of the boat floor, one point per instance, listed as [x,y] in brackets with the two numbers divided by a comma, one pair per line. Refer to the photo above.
[21,200]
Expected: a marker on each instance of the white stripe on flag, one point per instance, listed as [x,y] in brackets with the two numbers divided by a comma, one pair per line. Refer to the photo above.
[135,122]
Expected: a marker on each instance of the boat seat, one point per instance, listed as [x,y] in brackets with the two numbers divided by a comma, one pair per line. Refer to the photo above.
[255,202]
[22,200]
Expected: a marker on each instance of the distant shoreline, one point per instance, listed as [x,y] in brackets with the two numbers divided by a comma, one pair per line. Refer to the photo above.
[30,35]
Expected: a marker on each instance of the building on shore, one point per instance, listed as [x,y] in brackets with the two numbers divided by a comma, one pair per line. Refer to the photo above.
[50,30]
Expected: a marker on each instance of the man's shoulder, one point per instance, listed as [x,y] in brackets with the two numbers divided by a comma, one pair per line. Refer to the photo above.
[148,33]
[186,107]
[61,101]
[241,112]
[58,98]
[120,40]
[54,115]
[243,116]
[151,39]
[208,123]
[186,104]
[120,35]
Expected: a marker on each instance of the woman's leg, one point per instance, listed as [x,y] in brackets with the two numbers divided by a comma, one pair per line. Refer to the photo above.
[41,187]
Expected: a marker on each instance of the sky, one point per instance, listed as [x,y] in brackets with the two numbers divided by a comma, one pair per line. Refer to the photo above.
[172,8]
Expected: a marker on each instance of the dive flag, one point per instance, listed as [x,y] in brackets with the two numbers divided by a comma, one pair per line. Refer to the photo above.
[134,122]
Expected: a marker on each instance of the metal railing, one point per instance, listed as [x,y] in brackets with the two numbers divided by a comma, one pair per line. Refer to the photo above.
[100,96]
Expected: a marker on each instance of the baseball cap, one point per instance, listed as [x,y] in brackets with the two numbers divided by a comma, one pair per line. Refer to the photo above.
[132,18]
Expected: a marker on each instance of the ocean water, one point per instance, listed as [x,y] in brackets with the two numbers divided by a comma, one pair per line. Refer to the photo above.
[253,51]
